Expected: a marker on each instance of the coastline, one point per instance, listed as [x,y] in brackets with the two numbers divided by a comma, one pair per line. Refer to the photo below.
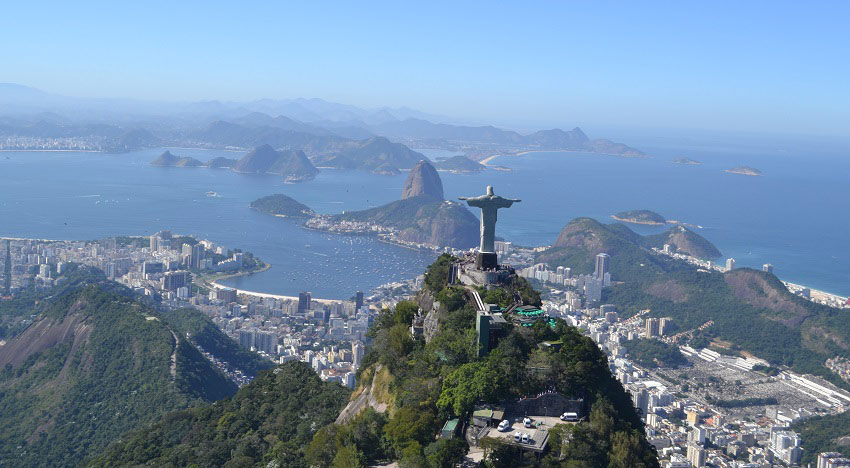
[213,280]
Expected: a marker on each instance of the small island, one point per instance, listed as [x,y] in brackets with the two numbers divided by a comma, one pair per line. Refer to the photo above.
[744,170]
[282,206]
[167,159]
[221,163]
[647,217]
[687,161]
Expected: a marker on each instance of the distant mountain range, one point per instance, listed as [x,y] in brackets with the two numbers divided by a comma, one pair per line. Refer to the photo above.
[317,127]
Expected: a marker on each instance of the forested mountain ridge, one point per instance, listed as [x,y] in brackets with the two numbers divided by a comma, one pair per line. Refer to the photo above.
[285,417]
[750,309]
[94,363]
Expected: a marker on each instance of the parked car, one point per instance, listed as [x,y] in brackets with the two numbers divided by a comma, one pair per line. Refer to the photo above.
[526,438]
[517,436]
[505,425]
[527,422]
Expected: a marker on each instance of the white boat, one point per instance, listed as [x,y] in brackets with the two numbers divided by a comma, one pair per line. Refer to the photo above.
[212,194]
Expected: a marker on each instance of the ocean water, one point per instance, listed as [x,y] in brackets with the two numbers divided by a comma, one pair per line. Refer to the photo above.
[794,216]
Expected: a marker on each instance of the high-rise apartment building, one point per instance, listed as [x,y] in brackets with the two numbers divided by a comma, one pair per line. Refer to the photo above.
[602,265]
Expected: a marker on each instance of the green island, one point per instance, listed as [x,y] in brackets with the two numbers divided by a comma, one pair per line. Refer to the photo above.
[282,205]
[640,217]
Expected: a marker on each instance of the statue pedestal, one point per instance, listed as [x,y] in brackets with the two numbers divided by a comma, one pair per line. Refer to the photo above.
[486,260]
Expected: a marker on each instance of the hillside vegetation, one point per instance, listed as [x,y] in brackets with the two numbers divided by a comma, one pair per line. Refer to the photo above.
[94,363]
[750,309]
[444,378]
[271,419]
[282,205]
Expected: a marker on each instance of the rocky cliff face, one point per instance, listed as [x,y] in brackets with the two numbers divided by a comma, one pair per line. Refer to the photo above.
[423,180]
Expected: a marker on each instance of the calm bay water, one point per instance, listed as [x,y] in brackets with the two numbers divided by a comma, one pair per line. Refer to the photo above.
[794,216]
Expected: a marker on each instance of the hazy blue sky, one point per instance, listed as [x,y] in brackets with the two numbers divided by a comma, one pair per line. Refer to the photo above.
[752,66]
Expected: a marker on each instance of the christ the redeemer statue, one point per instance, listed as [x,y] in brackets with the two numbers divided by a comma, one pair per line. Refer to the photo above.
[489,205]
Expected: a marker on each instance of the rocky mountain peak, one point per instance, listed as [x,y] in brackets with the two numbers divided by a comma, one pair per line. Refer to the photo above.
[423,180]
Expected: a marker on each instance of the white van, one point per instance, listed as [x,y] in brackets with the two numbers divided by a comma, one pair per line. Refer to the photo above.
[527,422]
[504,425]
[569,417]
[517,436]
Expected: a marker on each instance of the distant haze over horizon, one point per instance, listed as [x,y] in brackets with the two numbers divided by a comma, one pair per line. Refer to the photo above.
[754,67]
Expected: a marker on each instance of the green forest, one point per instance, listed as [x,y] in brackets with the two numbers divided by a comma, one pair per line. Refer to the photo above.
[429,383]
[654,353]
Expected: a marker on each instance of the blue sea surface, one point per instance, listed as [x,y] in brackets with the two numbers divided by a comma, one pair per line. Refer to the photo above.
[794,216]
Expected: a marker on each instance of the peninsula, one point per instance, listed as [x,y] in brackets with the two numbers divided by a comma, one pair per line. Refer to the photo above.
[459,165]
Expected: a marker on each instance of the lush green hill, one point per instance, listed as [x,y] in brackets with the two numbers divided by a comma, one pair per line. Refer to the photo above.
[583,238]
[286,417]
[426,383]
[751,309]
[824,434]
[282,205]
[271,419]
[93,363]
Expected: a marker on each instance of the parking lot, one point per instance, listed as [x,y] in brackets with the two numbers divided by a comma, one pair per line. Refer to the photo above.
[539,433]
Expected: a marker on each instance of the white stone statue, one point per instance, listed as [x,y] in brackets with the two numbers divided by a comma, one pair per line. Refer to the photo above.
[489,205]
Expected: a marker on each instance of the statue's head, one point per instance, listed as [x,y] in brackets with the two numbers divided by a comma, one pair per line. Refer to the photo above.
[490,190]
